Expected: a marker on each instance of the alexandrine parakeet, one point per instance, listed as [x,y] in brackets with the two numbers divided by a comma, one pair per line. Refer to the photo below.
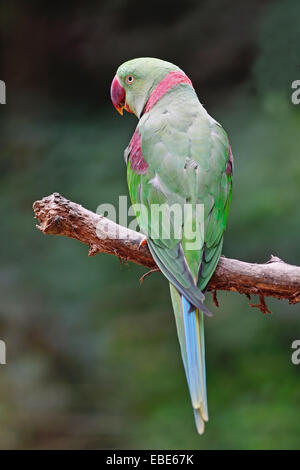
[178,156]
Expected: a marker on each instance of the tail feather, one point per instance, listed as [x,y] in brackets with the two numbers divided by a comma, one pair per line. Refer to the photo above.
[190,330]
[199,421]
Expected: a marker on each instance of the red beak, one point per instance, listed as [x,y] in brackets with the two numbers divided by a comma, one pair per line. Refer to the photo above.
[118,96]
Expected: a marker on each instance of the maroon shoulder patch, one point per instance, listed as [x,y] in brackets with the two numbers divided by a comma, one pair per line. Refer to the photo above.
[137,162]
[229,166]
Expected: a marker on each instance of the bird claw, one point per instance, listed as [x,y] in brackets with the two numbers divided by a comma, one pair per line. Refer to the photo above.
[143,243]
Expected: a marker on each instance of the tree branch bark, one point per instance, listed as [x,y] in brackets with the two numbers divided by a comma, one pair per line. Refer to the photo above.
[59,216]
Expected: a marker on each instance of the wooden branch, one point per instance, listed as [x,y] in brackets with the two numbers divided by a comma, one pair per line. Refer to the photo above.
[59,216]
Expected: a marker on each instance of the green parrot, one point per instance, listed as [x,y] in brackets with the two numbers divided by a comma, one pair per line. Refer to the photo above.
[178,157]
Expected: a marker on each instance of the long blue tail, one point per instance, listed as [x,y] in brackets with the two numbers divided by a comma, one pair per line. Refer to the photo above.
[190,329]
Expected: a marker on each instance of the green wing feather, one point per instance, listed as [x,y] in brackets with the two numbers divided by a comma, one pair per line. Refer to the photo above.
[187,152]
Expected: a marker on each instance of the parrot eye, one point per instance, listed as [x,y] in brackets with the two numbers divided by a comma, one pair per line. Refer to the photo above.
[129,79]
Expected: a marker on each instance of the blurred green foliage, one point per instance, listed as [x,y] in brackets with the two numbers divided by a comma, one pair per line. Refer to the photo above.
[92,356]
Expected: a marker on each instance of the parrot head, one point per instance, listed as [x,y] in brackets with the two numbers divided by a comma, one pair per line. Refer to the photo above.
[134,82]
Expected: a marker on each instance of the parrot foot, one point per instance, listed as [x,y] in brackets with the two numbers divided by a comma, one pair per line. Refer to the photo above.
[143,243]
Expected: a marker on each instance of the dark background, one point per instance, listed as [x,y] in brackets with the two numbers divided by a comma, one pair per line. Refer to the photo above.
[92,356]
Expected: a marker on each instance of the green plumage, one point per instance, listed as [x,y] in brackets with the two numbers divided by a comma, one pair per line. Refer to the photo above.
[187,154]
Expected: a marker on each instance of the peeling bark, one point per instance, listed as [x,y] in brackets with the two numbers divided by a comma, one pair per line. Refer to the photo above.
[59,216]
